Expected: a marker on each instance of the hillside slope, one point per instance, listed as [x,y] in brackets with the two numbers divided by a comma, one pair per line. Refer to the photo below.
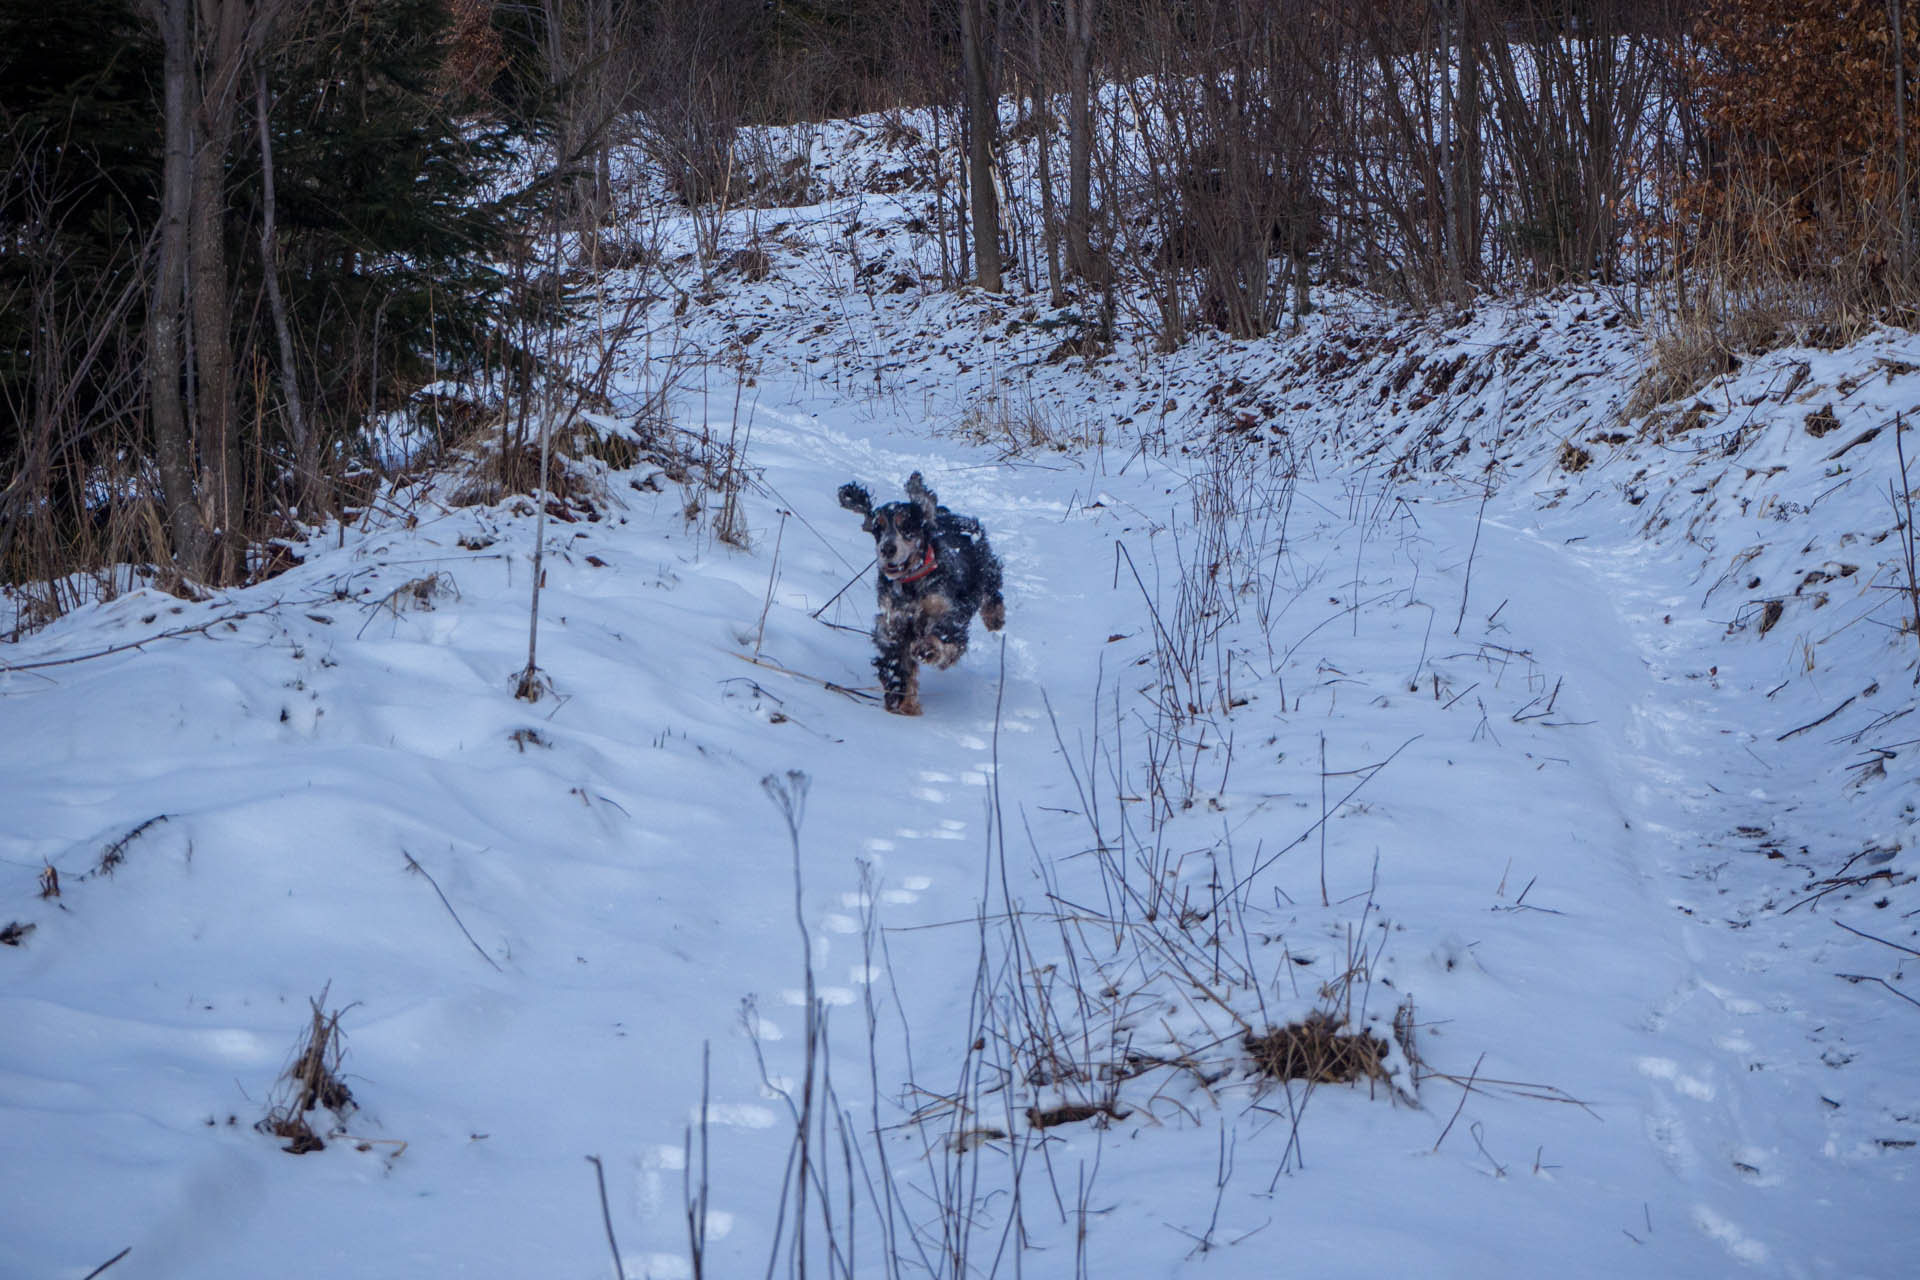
[1379,672]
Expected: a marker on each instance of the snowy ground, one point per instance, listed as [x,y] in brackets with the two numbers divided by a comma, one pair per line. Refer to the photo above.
[1326,684]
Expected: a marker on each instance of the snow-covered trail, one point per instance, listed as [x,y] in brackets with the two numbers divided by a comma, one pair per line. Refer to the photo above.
[1535,856]
[1518,865]
[1780,1151]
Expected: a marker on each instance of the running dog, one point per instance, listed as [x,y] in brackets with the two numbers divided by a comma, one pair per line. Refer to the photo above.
[936,572]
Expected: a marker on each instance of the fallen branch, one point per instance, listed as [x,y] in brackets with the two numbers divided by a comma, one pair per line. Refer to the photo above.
[858,695]
[1817,723]
[208,625]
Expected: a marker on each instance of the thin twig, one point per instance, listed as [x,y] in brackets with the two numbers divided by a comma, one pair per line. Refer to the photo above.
[842,591]
[1908,538]
[1323,820]
[606,1216]
[415,866]
[1465,1089]
[1837,883]
[773,573]
[109,1262]
[1366,773]
[1872,938]
[1466,587]
[1858,978]
[697,1205]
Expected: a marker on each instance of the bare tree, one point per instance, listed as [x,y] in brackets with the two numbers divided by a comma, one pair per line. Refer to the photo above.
[305,449]
[1079,19]
[207,47]
[173,442]
[588,66]
[983,130]
[1570,107]
[1897,19]
[226,34]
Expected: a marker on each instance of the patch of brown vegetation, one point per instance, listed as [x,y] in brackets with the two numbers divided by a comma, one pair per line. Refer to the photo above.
[313,1080]
[1072,1113]
[1316,1049]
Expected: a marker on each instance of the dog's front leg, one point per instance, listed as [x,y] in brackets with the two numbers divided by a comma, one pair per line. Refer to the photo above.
[899,672]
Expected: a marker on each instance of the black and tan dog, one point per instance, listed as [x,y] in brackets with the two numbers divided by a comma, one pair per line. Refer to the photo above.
[936,572]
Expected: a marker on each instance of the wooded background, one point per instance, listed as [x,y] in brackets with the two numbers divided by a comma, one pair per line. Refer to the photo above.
[236,233]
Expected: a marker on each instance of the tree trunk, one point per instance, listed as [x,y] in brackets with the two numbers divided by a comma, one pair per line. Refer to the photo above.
[223,49]
[1449,157]
[1043,122]
[306,455]
[1080,137]
[213,359]
[1466,126]
[983,116]
[173,445]
[1897,14]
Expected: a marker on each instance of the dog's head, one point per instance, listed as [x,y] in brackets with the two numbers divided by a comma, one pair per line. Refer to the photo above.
[902,531]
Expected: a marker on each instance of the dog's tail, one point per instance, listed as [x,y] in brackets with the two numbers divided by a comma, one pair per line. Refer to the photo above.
[993,611]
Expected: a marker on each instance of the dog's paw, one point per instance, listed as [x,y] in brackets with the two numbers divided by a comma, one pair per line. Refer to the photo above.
[994,613]
[937,653]
[903,704]
[855,497]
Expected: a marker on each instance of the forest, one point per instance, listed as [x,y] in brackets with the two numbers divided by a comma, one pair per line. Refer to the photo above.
[236,236]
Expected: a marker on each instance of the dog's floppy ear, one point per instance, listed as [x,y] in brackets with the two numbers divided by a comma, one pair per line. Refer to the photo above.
[922,497]
[856,498]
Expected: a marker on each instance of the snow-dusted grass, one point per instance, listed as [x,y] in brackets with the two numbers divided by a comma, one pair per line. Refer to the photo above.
[1329,689]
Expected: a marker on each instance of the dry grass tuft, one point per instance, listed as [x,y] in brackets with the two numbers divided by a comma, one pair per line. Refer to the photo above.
[116,853]
[1018,423]
[313,1080]
[1822,421]
[1679,363]
[1316,1049]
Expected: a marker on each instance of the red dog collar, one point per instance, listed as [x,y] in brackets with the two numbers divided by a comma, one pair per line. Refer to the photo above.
[927,566]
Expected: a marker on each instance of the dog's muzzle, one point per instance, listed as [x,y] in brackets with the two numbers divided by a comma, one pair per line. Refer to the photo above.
[912,573]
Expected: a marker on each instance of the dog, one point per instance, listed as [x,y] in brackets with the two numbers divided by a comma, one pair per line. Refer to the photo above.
[936,572]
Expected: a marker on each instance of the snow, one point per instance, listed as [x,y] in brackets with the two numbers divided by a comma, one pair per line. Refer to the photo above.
[1318,692]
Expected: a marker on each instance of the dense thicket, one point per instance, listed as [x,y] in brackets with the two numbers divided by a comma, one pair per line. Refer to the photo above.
[1808,138]
[234,232]
[389,230]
